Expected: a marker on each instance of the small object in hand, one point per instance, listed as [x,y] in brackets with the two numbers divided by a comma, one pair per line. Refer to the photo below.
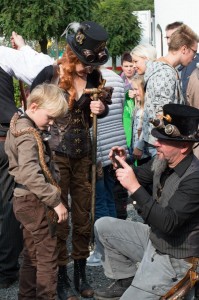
[115,160]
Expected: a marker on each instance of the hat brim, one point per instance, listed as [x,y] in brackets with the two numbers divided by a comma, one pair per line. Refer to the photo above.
[81,57]
[162,136]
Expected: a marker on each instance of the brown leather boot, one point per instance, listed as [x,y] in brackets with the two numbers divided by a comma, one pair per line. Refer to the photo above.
[80,281]
[64,289]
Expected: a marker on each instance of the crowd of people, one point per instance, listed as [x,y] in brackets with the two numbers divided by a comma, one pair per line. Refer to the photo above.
[147,122]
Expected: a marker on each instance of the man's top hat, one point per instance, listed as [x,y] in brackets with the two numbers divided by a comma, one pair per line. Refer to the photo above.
[178,123]
[89,43]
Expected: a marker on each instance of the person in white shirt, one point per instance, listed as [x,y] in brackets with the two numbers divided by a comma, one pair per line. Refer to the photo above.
[22,61]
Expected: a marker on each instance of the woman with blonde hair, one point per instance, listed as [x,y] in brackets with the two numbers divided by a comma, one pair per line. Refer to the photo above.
[140,55]
[162,81]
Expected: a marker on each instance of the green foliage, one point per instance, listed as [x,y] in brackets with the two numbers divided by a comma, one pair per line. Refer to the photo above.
[41,19]
[17,93]
[123,27]
[144,4]
[33,19]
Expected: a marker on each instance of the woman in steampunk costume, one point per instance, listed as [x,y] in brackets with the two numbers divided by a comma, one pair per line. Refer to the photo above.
[76,70]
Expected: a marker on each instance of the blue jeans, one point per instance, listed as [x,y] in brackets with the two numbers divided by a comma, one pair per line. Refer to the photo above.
[105,203]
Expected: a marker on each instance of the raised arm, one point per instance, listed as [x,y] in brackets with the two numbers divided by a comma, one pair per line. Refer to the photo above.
[24,63]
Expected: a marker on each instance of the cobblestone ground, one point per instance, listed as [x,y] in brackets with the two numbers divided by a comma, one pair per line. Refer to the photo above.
[95,275]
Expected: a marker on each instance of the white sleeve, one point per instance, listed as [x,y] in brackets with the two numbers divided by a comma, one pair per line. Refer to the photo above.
[23,64]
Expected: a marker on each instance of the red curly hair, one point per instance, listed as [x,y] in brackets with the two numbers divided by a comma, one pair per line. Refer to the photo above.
[68,61]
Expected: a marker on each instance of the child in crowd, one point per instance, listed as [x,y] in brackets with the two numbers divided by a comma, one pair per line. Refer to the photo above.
[36,193]
[127,75]
[128,71]
[138,89]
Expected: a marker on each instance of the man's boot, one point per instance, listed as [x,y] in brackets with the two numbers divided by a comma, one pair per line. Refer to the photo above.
[114,291]
[80,281]
[64,289]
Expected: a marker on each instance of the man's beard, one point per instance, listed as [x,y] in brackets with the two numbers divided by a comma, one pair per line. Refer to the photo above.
[159,165]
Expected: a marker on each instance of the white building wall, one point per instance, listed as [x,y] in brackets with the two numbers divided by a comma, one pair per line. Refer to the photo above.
[169,11]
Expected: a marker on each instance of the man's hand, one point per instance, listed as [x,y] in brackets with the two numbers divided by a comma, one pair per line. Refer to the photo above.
[126,176]
[17,41]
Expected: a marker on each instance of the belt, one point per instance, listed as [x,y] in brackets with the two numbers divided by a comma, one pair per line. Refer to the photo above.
[2,138]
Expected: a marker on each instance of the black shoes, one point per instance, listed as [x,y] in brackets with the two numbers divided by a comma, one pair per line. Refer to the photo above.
[80,281]
[64,289]
[114,291]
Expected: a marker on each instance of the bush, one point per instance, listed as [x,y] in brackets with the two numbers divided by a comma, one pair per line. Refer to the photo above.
[17,92]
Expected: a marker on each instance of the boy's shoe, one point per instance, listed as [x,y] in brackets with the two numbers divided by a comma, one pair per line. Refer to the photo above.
[94,260]
[114,291]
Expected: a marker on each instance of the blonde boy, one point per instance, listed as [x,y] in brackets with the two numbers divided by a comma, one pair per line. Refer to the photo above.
[36,190]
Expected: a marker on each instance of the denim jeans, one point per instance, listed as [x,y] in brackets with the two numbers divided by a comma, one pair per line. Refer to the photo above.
[105,203]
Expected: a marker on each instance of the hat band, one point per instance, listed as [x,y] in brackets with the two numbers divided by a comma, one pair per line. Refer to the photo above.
[172,130]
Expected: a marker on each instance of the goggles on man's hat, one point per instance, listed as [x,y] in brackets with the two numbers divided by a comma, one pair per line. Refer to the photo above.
[88,42]
[178,123]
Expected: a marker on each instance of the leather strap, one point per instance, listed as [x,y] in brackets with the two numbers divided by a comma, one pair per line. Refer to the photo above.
[187,282]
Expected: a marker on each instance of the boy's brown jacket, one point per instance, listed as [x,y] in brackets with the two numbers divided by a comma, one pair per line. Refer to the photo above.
[24,165]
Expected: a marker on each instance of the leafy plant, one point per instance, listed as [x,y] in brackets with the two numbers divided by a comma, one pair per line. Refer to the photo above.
[123,26]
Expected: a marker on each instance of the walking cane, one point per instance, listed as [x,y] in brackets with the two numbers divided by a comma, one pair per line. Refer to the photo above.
[94,93]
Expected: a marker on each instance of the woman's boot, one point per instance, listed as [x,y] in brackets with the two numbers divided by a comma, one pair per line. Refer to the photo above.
[81,284]
[64,289]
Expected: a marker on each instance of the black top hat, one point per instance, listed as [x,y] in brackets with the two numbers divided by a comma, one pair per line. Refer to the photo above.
[89,43]
[179,123]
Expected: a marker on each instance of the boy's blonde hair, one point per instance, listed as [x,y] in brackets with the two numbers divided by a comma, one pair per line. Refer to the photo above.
[49,96]
[183,36]
[145,51]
